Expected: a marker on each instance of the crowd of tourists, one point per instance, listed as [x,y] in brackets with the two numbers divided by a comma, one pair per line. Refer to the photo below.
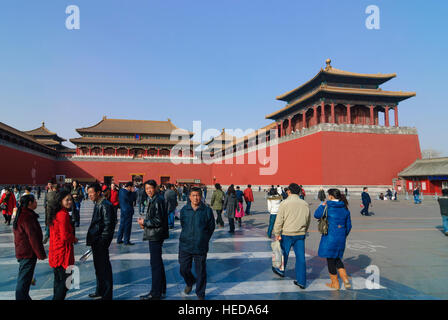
[289,221]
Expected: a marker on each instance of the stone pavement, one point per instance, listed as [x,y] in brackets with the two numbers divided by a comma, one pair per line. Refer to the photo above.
[404,241]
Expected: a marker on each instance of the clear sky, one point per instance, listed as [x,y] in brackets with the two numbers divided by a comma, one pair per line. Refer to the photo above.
[221,62]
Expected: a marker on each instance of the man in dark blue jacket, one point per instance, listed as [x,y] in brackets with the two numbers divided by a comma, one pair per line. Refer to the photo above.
[127,198]
[198,225]
[366,201]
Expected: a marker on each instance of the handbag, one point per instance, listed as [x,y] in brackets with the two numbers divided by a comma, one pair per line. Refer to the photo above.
[3,206]
[323,222]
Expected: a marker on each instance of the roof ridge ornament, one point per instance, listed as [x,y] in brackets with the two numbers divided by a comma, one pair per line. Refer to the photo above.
[43,124]
[328,62]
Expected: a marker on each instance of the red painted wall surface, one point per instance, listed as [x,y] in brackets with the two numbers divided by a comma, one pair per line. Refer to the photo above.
[19,167]
[123,171]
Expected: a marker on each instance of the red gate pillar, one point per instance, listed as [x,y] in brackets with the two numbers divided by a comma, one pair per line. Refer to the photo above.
[304,119]
[349,116]
[386,116]
[314,115]
[333,120]
[158,152]
[322,112]
[396,115]
[372,121]
[289,125]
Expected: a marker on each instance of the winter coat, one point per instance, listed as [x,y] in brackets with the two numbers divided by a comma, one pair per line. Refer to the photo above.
[50,198]
[102,227]
[171,200]
[332,245]
[365,198]
[239,195]
[126,199]
[230,205]
[443,202]
[274,204]
[114,197]
[156,219]
[217,200]
[10,203]
[28,236]
[293,217]
[248,195]
[61,252]
[197,228]
[77,194]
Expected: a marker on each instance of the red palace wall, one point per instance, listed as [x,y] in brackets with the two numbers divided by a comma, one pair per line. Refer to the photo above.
[19,167]
[122,171]
[332,158]
[322,158]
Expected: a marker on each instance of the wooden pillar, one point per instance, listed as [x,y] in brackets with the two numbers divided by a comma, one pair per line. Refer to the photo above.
[314,115]
[278,128]
[129,152]
[289,125]
[115,151]
[102,151]
[158,152]
[396,115]
[372,120]
[349,116]
[146,152]
[322,112]
[281,129]
[386,116]
[333,120]
[304,119]
[90,151]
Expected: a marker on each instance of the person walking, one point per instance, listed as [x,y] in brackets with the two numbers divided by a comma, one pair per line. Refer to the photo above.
[230,205]
[198,224]
[141,199]
[126,198]
[99,237]
[171,204]
[204,191]
[332,245]
[443,203]
[249,198]
[49,200]
[366,201]
[416,194]
[28,244]
[77,199]
[216,203]
[155,225]
[8,204]
[291,226]
[61,254]
[274,200]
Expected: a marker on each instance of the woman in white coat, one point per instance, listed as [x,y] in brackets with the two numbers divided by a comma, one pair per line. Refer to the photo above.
[274,200]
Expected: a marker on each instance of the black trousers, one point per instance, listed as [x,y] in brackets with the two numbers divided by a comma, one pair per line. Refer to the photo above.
[158,284]
[26,272]
[200,263]
[103,271]
[232,224]
[334,264]
[7,218]
[60,283]
[365,209]
[219,220]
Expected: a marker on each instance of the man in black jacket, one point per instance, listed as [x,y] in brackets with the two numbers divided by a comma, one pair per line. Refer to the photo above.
[443,202]
[155,227]
[198,225]
[99,237]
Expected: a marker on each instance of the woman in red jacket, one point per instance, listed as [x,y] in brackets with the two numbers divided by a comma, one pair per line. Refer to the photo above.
[9,200]
[61,254]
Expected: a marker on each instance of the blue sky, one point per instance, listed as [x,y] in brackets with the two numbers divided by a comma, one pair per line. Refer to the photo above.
[221,62]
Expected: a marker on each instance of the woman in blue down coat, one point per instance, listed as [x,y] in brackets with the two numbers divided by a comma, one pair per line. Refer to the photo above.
[332,245]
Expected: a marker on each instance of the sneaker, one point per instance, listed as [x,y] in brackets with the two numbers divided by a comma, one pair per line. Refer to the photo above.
[278,272]
[299,285]
[129,243]
[149,296]
[94,296]
[188,289]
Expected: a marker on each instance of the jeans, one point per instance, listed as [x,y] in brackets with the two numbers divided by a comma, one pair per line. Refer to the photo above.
[417,199]
[171,219]
[298,243]
[75,213]
[365,209]
[219,220]
[272,218]
[103,271]
[200,264]
[248,204]
[26,272]
[158,284]
[59,286]
[445,223]
[125,227]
